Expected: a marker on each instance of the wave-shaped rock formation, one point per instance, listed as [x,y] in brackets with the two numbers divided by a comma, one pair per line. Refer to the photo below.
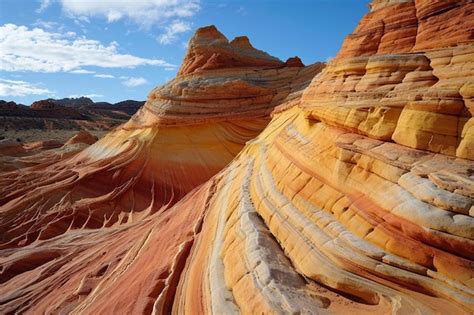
[357,196]
[66,215]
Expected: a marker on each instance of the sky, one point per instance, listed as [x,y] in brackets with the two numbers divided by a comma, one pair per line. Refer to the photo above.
[113,50]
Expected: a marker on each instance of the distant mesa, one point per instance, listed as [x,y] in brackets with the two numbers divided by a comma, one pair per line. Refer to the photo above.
[45,104]
[73,102]
[129,106]
[72,109]
[4,105]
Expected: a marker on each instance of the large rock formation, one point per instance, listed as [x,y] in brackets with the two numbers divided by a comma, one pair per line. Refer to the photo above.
[357,196]
[125,184]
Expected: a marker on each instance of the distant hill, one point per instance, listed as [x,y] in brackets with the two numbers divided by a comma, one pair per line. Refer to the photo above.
[73,102]
[66,113]
[129,106]
[70,108]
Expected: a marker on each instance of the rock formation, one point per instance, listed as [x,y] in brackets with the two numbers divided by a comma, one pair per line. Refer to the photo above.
[66,114]
[188,130]
[82,137]
[357,196]
[15,155]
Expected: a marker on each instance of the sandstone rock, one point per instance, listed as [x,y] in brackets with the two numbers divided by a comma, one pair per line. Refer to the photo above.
[209,49]
[188,130]
[42,145]
[45,104]
[408,85]
[294,62]
[82,137]
[200,205]
[11,147]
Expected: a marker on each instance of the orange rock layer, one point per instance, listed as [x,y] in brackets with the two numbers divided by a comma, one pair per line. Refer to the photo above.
[14,155]
[357,196]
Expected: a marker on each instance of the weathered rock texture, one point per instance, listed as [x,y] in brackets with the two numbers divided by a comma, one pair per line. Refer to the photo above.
[356,198]
[62,220]
[15,155]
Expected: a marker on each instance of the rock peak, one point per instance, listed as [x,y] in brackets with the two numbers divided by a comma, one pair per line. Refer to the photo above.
[294,62]
[209,49]
[208,33]
[242,42]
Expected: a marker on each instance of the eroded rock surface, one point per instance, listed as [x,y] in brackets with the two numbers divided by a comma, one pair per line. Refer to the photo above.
[188,130]
[356,198]
[15,155]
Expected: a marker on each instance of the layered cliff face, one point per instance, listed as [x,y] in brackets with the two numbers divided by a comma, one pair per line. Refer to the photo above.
[405,75]
[357,196]
[365,189]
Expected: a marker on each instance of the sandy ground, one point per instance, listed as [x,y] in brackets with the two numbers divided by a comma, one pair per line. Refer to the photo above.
[32,135]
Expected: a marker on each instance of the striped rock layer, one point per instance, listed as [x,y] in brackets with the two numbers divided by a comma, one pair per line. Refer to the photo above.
[61,212]
[356,198]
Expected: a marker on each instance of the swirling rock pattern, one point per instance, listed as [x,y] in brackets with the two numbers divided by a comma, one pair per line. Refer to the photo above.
[188,130]
[357,196]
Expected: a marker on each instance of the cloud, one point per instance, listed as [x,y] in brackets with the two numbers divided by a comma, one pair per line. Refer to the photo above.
[37,50]
[47,24]
[44,4]
[20,88]
[133,82]
[143,12]
[86,95]
[105,76]
[82,71]
[172,31]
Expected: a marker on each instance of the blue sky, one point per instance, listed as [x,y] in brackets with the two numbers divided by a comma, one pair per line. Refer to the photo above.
[112,50]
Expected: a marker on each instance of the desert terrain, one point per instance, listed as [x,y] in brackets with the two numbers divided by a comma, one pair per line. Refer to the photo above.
[61,119]
[253,185]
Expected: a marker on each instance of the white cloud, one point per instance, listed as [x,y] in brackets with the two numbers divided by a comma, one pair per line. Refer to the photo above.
[172,31]
[37,50]
[47,24]
[133,82]
[86,95]
[44,4]
[82,71]
[143,12]
[20,88]
[104,76]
